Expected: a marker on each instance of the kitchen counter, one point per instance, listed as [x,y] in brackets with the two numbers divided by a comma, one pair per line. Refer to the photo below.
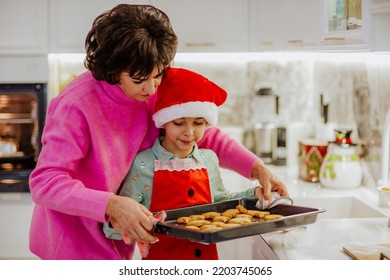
[324,239]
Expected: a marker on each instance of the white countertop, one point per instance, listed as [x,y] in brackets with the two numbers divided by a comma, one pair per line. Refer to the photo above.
[323,239]
[326,238]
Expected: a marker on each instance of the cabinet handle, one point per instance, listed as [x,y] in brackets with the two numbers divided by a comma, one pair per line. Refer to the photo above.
[334,39]
[200,45]
[300,43]
[295,42]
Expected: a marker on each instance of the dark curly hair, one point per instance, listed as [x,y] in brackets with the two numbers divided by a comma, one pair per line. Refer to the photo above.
[131,38]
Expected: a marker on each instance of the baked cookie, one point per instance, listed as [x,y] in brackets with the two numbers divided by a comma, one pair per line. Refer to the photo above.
[221,218]
[210,228]
[241,221]
[211,215]
[244,216]
[262,214]
[198,223]
[192,227]
[230,225]
[241,209]
[218,224]
[183,220]
[197,217]
[229,214]
[271,217]
[234,210]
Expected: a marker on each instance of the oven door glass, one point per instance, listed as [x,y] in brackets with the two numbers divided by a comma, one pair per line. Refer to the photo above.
[21,122]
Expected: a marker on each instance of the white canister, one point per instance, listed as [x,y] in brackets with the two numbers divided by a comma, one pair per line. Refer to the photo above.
[341,167]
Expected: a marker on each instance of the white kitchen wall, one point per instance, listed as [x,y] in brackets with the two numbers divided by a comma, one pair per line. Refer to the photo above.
[356,86]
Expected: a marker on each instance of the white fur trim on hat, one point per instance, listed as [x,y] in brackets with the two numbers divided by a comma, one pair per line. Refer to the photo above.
[196,109]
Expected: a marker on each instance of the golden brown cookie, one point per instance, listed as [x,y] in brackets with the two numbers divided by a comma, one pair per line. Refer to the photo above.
[222,219]
[229,214]
[211,215]
[183,220]
[230,225]
[234,210]
[192,227]
[241,209]
[218,224]
[210,228]
[241,221]
[258,213]
[198,223]
[197,217]
[273,217]
[244,216]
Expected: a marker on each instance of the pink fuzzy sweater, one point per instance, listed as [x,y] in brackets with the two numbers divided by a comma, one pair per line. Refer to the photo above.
[91,136]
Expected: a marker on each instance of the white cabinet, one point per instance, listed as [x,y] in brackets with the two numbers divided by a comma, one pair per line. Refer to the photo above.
[71,20]
[345,25]
[208,26]
[268,25]
[302,24]
[309,25]
[23,27]
[380,25]
[284,25]
[15,217]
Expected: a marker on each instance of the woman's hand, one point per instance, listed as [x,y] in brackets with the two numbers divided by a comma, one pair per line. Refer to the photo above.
[131,219]
[268,182]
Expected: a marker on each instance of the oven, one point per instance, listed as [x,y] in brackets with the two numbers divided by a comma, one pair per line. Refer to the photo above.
[22,114]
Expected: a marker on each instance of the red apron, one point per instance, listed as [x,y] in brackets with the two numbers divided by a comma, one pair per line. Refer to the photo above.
[180,183]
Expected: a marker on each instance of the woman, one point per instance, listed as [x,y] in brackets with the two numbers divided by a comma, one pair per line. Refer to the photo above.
[93,131]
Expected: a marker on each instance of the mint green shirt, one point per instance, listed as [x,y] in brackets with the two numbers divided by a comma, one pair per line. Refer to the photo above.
[138,183]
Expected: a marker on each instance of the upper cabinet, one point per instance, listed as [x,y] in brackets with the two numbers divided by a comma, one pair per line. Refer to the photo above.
[345,24]
[56,26]
[268,25]
[23,27]
[309,25]
[71,20]
[380,25]
[284,24]
[208,26]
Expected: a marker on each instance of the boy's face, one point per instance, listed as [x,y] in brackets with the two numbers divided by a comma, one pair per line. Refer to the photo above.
[182,134]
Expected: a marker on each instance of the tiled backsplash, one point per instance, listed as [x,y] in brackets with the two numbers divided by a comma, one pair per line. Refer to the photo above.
[356,87]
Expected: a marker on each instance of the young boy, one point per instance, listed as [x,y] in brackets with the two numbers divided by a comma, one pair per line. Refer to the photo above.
[174,173]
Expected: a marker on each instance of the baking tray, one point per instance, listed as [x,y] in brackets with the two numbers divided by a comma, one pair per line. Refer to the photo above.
[294,216]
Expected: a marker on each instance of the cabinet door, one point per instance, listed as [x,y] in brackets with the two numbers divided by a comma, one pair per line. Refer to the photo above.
[208,26]
[303,24]
[345,25]
[71,20]
[379,18]
[23,27]
[284,24]
[268,25]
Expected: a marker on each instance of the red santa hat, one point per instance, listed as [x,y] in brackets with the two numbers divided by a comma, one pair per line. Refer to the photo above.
[183,93]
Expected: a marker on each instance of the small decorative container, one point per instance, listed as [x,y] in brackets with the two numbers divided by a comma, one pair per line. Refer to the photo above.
[311,155]
[341,167]
[384,196]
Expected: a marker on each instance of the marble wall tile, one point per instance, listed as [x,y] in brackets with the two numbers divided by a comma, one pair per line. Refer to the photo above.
[292,83]
[231,75]
[356,87]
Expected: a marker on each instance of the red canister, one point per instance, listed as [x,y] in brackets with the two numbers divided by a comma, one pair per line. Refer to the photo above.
[311,155]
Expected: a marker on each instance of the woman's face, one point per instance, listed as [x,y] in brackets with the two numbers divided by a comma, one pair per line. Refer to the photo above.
[140,88]
[182,134]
